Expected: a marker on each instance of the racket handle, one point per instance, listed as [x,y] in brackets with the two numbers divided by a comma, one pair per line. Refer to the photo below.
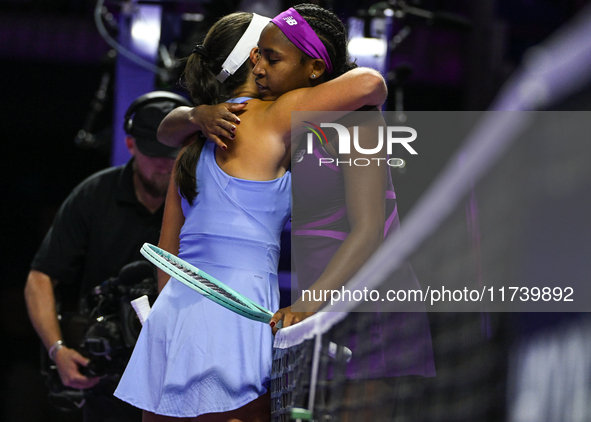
[141,305]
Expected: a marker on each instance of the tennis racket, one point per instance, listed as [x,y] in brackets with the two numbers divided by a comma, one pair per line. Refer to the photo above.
[205,284]
[213,289]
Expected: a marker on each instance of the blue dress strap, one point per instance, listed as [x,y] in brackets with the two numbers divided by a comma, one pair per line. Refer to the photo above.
[239,99]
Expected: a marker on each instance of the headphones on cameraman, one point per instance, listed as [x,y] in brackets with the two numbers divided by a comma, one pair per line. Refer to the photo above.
[149,98]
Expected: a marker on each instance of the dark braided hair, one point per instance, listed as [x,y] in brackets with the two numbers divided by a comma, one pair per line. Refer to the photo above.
[333,35]
[199,78]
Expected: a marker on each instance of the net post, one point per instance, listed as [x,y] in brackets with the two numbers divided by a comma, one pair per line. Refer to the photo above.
[314,372]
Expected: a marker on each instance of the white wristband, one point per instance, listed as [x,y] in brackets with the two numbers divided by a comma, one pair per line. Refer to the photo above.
[54,349]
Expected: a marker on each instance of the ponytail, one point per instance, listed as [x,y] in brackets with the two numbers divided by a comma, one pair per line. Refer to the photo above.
[199,78]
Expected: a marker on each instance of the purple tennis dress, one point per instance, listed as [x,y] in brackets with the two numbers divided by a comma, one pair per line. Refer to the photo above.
[194,356]
[319,227]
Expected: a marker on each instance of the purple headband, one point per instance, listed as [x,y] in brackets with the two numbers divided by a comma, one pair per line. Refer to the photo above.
[299,32]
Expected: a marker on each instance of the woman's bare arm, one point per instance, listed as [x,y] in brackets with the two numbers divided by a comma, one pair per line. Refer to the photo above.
[215,122]
[172,223]
[365,193]
[356,88]
[351,91]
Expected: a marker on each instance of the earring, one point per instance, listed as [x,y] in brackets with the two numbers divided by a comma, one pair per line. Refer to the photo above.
[313,76]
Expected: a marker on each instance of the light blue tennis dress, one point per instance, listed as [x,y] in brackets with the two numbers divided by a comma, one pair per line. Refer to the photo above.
[194,356]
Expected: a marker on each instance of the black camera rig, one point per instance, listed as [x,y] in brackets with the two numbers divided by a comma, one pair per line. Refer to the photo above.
[105,330]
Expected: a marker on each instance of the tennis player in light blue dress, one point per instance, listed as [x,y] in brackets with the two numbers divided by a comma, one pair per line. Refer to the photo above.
[203,358]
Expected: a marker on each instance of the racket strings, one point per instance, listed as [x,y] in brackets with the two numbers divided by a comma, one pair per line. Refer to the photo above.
[204,281]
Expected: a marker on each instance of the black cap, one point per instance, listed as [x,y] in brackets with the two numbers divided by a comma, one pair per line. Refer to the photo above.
[144,126]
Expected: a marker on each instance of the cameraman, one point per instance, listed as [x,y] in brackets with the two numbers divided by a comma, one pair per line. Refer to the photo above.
[98,229]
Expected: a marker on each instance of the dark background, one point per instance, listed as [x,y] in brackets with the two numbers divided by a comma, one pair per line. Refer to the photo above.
[51,63]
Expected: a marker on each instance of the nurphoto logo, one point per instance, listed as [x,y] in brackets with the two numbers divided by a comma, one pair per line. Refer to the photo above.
[385,134]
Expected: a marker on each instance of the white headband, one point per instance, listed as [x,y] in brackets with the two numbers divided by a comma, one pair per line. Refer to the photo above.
[241,51]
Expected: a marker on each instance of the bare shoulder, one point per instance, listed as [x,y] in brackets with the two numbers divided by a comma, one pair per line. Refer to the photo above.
[258,134]
[258,115]
[258,152]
